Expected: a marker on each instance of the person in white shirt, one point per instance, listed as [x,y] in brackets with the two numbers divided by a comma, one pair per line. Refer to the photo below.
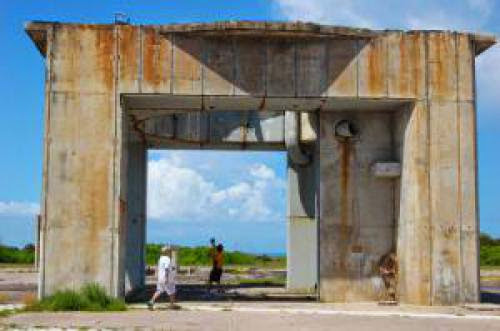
[166,277]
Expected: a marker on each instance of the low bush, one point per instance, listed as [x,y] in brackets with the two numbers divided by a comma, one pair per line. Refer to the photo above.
[201,256]
[24,255]
[91,297]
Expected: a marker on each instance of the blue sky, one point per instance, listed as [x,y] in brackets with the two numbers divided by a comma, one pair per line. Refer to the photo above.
[236,177]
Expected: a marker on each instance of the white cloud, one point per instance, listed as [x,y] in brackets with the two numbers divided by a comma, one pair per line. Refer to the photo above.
[179,192]
[17,208]
[488,77]
[418,14]
[262,171]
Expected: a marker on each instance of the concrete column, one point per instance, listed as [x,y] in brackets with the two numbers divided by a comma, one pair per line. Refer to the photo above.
[135,228]
[302,227]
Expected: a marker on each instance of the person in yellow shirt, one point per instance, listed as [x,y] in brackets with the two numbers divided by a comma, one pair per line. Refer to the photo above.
[217,255]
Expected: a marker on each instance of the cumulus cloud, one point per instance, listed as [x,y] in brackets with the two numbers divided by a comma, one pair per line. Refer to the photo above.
[488,76]
[179,192]
[17,208]
[419,14]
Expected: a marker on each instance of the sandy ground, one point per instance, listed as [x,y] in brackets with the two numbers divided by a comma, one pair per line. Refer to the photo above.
[256,312]
[249,320]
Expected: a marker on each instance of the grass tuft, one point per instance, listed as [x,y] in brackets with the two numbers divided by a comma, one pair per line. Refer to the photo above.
[4,298]
[91,297]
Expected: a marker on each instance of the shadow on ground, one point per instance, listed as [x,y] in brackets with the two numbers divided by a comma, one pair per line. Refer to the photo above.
[227,292]
[490,295]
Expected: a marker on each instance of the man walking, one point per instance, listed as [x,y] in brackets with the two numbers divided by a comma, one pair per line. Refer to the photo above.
[166,272]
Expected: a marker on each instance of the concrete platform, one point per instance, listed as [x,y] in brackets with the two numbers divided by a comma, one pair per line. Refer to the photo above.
[266,316]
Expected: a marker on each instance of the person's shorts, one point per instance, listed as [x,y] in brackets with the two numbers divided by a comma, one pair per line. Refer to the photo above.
[168,287]
[215,274]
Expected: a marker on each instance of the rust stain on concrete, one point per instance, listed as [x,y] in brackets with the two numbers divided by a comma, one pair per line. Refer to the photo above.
[128,53]
[151,58]
[104,44]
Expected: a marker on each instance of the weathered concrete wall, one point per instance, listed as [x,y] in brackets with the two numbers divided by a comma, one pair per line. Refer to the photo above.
[357,210]
[89,189]
[302,227]
[77,213]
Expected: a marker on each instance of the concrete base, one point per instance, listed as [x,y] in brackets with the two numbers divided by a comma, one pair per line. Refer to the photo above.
[302,266]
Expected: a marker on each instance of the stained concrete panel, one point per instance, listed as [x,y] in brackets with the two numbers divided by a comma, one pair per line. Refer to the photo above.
[79,162]
[465,67]
[406,66]
[414,226]
[469,231]
[342,67]
[218,66]
[311,64]
[129,46]
[349,256]
[442,66]
[156,60]
[250,66]
[372,68]
[187,67]
[280,74]
[444,194]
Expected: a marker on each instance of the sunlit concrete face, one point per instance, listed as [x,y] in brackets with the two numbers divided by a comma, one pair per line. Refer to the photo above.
[379,127]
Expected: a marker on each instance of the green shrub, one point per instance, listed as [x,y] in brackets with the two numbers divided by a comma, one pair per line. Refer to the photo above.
[201,256]
[91,297]
[24,255]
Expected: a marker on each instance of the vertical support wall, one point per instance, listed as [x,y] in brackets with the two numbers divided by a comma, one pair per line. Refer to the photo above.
[357,209]
[302,226]
[77,215]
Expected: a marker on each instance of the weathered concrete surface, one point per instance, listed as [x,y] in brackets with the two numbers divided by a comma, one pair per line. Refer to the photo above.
[266,316]
[412,93]
[357,210]
[302,227]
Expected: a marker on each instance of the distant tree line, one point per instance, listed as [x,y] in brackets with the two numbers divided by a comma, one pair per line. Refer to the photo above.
[25,255]
[199,256]
[489,255]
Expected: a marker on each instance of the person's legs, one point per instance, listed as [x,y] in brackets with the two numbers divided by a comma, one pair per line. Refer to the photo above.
[159,290]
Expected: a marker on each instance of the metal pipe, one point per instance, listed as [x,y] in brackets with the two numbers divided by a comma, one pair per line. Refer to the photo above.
[292,142]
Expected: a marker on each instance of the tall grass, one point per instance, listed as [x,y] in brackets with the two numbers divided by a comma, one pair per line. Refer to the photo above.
[91,297]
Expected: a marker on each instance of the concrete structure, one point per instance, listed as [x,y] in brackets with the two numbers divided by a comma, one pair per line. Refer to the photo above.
[379,128]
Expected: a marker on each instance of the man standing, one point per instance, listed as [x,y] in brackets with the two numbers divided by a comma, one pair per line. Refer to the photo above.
[166,272]
[217,255]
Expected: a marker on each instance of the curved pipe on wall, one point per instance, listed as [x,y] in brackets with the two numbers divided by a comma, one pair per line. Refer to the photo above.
[292,139]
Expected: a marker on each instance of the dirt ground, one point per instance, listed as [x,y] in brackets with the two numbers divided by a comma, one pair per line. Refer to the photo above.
[250,302]
[228,319]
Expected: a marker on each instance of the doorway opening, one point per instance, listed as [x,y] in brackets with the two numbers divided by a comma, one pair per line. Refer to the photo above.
[237,198]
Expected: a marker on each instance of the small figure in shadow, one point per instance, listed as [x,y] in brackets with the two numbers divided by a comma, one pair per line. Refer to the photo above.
[388,268]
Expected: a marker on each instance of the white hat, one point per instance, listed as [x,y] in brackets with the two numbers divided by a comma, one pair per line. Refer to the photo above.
[165,249]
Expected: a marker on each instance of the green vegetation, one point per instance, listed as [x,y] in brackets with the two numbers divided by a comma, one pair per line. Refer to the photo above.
[489,255]
[201,256]
[16,255]
[490,250]
[91,297]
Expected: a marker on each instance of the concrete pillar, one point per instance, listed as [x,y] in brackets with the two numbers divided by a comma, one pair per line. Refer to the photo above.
[135,215]
[302,226]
